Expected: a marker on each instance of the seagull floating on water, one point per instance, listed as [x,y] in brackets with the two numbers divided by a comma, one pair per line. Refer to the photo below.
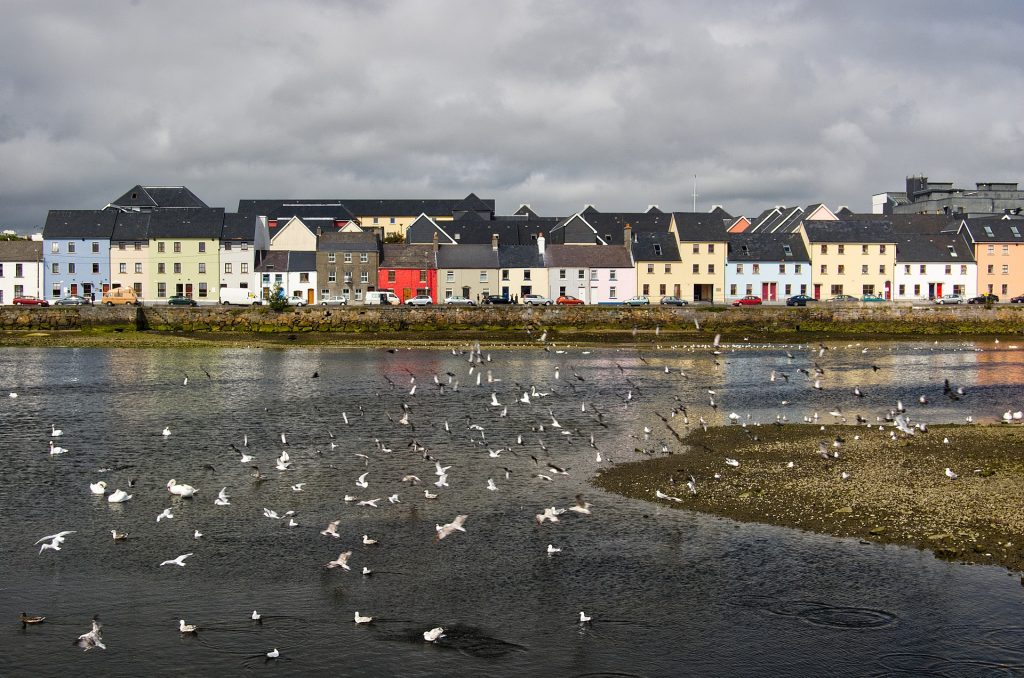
[433,634]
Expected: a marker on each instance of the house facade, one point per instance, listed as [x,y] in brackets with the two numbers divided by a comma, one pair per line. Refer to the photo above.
[703,246]
[410,270]
[772,266]
[76,252]
[129,253]
[998,250]
[21,269]
[469,271]
[591,273]
[244,241]
[522,270]
[293,272]
[347,263]
[850,257]
[931,265]
[657,264]
[184,251]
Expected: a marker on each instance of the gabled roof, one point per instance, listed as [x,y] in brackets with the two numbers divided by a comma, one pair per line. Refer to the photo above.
[588,256]
[361,207]
[285,261]
[994,229]
[21,250]
[944,248]
[70,224]
[610,225]
[416,257]
[779,219]
[239,227]
[423,229]
[526,211]
[520,256]
[558,233]
[158,197]
[131,226]
[655,247]
[193,223]
[467,256]
[770,247]
[347,242]
[849,231]
[701,226]
[331,211]
[471,203]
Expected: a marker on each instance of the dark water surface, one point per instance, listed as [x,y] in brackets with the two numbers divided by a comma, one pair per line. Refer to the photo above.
[670,592]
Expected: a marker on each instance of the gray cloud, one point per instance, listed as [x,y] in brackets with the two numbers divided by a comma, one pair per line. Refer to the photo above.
[557,104]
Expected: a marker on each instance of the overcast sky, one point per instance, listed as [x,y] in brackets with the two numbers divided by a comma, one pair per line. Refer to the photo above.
[555,104]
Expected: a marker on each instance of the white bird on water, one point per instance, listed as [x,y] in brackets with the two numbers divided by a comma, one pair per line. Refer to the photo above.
[661,495]
[553,549]
[166,513]
[222,498]
[584,618]
[118,496]
[180,489]
[98,487]
[166,431]
[186,628]
[56,449]
[367,541]
[256,616]
[551,514]
[433,634]
[332,529]
[490,485]
[449,528]
[274,654]
[362,620]
[91,639]
[55,432]
[361,481]
[179,561]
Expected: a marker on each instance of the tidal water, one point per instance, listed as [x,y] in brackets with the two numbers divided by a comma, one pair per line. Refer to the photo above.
[670,593]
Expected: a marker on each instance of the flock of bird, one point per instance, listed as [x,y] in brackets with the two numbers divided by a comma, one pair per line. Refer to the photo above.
[584,415]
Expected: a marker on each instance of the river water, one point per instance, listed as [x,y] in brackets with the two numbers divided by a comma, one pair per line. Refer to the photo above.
[670,592]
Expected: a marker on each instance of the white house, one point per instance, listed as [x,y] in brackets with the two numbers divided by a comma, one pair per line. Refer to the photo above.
[591,273]
[773,266]
[243,243]
[294,272]
[21,269]
[931,265]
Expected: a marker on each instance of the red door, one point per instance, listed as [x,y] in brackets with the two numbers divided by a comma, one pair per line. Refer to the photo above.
[817,291]
[764,291]
[772,290]
[188,290]
[938,289]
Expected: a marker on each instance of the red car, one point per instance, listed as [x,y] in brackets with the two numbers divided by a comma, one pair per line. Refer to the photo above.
[749,300]
[30,301]
[566,300]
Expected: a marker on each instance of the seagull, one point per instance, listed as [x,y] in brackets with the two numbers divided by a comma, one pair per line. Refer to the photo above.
[271,514]
[179,561]
[429,495]
[661,495]
[246,458]
[54,539]
[433,634]
[222,498]
[448,528]
[165,514]
[256,616]
[369,502]
[186,628]
[297,487]
[361,481]
[197,534]
[584,618]
[273,654]
[92,639]
[581,506]
[951,474]
[118,496]
[341,561]
[551,514]
[731,462]
[166,431]
[490,485]
[553,549]
[363,620]
[367,541]
[118,536]
[332,529]
[98,487]
[442,481]
[366,571]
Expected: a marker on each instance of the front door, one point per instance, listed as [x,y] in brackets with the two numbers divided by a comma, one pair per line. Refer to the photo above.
[764,291]
[309,296]
[817,290]
[465,292]
[188,290]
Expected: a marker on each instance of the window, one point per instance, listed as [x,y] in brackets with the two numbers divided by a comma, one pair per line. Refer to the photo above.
[483,276]
[1004,288]
[657,249]
[71,247]
[612,293]
[245,247]
[864,269]
[824,269]
[650,268]
[177,246]
[902,290]
[990,269]
[160,268]
[526,275]
[332,257]
[949,269]
[906,269]
[668,269]
[1006,250]
[55,268]
[868,289]
[423,275]
[96,268]
[581,274]
[561,274]
[923,268]
[202,267]
[799,270]
[161,289]
[612,274]
[788,251]
[364,277]
[881,249]
[227,268]
[177,267]
[711,268]
[392,220]
[841,269]
[789,290]
[711,248]
[332,275]
[863,249]
[2,272]
[646,289]
[202,290]
[732,290]
[757,268]
[122,246]
[245,268]
[782,269]
[202,248]
[376,220]
[661,289]
[593,274]
[739,269]
[55,247]
[449,276]
[18,272]
[326,292]
[304,277]
[55,290]
[122,267]
[227,247]
[1006,269]
[278,278]
[841,249]
[963,269]
[364,257]
[161,247]
[881,269]
[696,268]
[138,267]
[824,249]
[504,274]
[696,248]
[391,275]
[750,289]
[447,292]
[991,249]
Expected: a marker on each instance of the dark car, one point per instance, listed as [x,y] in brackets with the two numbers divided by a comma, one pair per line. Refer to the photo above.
[843,299]
[567,300]
[749,300]
[799,300]
[30,301]
[672,301]
[1017,300]
[73,300]
[983,299]
[496,299]
[179,300]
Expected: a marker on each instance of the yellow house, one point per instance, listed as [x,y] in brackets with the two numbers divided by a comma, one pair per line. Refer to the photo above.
[393,217]
[658,265]
[129,253]
[184,254]
[703,250]
[295,235]
[850,257]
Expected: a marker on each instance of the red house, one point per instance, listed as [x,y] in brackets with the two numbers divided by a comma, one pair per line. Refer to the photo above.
[409,270]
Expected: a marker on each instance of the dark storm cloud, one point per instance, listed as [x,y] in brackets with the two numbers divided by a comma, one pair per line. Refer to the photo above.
[556,104]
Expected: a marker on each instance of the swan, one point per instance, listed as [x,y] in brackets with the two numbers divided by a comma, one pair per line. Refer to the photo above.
[274,654]
[56,449]
[55,432]
[179,489]
[118,496]
[98,487]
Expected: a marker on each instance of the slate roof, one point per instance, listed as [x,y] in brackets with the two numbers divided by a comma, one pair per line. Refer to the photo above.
[239,227]
[417,257]
[766,247]
[72,224]
[360,207]
[285,261]
[326,211]
[849,230]
[21,250]
[613,223]
[162,197]
[701,226]
[194,223]
[131,227]
[644,247]
[588,256]
[520,256]
[466,256]
[912,223]
[525,210]
[779,219]
[1002,230]
[933,248]
[471,203]
[347,242]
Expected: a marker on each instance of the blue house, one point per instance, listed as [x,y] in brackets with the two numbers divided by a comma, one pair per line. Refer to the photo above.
[76,252]
[771,265]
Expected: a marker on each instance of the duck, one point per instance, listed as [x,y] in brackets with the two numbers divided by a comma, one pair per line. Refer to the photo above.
[118,496]
[186,628]
[27,619]
[181,490]
[118,536]
[98,487]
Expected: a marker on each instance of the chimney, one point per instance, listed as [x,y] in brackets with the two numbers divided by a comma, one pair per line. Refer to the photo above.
[540,243]
[435,242]
[627,236]
[494,242]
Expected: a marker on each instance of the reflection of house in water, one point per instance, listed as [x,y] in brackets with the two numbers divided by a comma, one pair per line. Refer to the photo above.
[999,366]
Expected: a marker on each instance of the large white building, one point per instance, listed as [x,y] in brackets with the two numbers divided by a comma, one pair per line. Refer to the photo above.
[21,269]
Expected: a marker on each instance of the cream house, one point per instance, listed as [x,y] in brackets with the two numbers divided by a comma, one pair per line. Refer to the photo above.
[851,257]
[129,254]
[469,271]
[703,249]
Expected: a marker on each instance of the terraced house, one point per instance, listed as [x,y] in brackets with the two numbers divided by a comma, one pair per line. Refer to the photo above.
[703,242]
[658,265]
[129,253]
[998,245]
[850,257]
[21,269]
[76,252]
[346,263]
[774,266]
[185,253]
[244,241]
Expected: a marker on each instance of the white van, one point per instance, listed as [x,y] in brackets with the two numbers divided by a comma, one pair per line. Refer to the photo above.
[381,299]
[239,296]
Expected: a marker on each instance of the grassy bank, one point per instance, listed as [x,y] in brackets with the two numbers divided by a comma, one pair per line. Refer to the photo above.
[896,492]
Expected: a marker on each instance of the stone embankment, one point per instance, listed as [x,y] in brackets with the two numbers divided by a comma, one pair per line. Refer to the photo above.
[568,323]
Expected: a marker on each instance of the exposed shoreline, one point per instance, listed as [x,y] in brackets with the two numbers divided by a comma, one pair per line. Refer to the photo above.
[897,491]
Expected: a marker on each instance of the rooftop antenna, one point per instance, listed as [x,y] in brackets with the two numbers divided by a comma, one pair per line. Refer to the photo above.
[694,192]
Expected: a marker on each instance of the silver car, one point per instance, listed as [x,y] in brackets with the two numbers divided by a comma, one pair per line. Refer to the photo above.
[536,300]
[419,300]
[336,300]
[459,301]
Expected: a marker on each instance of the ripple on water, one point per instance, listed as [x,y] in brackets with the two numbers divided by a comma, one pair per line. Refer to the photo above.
[919,664]
[821,614]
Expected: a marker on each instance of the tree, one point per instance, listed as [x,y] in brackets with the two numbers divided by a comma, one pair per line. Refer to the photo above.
[277,301]
[394,239]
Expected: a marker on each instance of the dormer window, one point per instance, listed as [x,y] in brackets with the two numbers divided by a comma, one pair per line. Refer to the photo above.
[952,250]
[988,232]
[787,250]
[458,236]
[657,250]
[1015,231]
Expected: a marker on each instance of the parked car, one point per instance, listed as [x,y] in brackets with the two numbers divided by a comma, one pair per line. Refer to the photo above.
[672,301]
[949,299]
[239,296]
[983,299]
[181,300]
[536,300]
[843,298]
[1017,300]
[381,298]
[419,300]
[120,295]
[799,300]
[30,301]
[334,300]
[73,300]
[568,300]
[637,301]
[749,300]
[872,297]
[458,301]
[296,301]
[496,299]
